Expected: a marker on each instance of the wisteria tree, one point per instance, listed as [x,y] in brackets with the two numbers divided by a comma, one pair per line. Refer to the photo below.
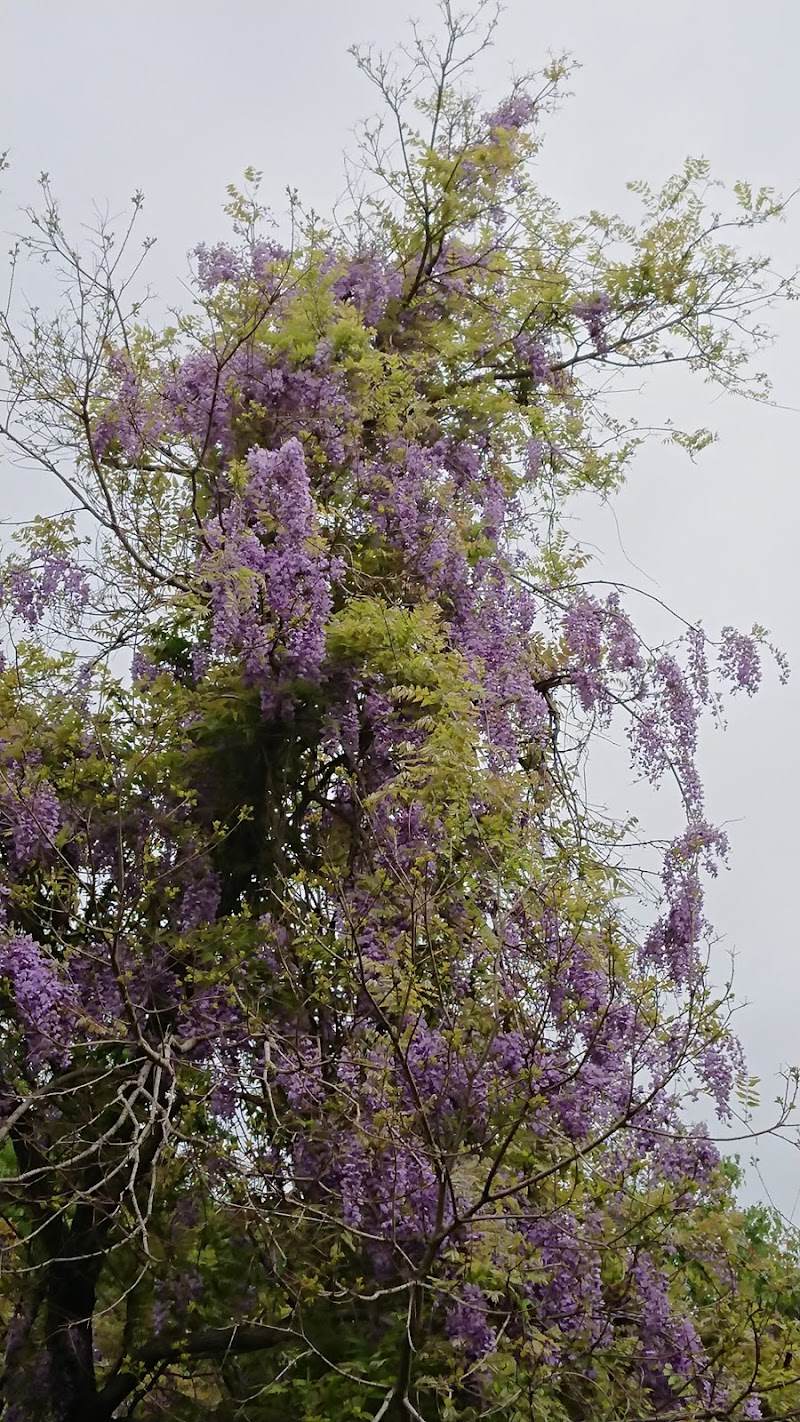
[344,1072]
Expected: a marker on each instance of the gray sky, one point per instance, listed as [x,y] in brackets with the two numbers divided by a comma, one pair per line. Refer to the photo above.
[177,97]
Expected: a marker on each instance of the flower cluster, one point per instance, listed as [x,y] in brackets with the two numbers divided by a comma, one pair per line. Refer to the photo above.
[268,578]
[30,813]
[44,1003]
[369,285]
[30,590]
[595,313]
[516,112]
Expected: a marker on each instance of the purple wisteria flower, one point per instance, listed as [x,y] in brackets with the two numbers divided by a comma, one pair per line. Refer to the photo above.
[29,590]
[43,999]
[369,285]
[739,660]
[534,357]
[30,812]
[594,634]
[200,902]
[595,312]
[516,112]
[467,1322]
[269,580]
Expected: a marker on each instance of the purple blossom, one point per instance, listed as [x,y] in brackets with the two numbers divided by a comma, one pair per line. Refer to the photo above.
[697,643]
[624,645]
[268,262]
[739,660]
[268,578]
[492,626]
[672,941]
[718,1067]
[467,1322]
[94,985]
[369,285]
[129,419]
[200,902]
[210,1017]
[565,1271]
[30,811]
[224,264]
[584,626]
[43,999]
[29,590]
[594,312]
[668,1342]
[216,265]
[664,734]
[532,355]
[144,670]
[201,660]
[514,113]
[534,454]
[175,1296]
[701,843]
[223,1100]
[678,1156]
[494,509]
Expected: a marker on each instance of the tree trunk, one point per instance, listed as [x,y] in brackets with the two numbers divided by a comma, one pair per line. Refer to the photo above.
[71,1297]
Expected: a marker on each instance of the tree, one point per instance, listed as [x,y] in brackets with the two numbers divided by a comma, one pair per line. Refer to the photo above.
[338,1076]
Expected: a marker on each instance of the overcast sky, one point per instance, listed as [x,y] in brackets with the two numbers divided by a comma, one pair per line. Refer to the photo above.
[177,97]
